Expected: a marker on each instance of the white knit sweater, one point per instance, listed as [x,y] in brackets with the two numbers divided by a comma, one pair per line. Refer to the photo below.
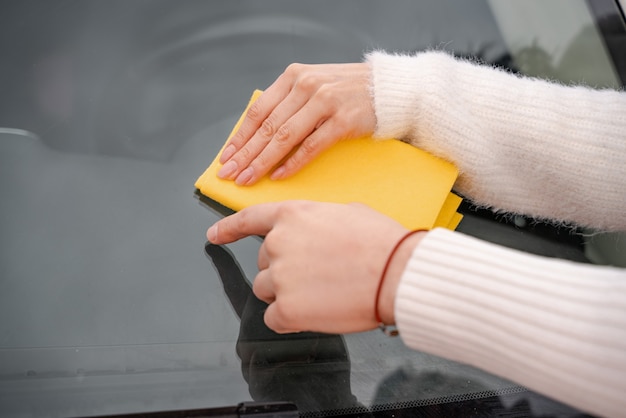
[524,146]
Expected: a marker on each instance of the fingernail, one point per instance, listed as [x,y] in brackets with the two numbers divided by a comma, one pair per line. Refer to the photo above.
[245,176]
[211,233]
[278,173]
[227,170]
[228,152]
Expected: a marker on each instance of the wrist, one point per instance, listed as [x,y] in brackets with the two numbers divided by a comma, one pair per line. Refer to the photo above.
[391,279]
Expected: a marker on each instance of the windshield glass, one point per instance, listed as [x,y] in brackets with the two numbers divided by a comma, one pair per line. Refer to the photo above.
[557,40]
[109,301]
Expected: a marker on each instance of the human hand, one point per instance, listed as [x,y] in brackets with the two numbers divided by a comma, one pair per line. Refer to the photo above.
[310,369]
[308,108]
[320,263]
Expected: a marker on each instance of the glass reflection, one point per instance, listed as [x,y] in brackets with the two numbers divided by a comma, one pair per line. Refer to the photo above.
[311,370]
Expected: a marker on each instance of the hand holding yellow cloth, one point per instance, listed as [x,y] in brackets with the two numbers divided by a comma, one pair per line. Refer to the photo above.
[394,178]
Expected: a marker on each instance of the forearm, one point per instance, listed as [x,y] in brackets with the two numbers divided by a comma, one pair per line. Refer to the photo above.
[522,145]
[553,326]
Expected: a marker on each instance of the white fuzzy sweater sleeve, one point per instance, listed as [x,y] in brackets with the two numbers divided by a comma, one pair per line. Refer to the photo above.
[523,146]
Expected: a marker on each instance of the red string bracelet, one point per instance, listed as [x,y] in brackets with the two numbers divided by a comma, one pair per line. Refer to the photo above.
[389,330]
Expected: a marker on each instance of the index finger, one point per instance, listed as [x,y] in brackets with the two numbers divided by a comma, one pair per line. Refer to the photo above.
[253,220]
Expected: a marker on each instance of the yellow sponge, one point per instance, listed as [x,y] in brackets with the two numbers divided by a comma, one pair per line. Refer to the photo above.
[394,178]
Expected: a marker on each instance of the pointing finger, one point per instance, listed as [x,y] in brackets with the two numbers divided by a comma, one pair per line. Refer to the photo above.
[253,220]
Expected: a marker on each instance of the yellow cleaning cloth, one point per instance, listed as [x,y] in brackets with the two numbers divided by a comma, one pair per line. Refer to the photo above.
[394,178]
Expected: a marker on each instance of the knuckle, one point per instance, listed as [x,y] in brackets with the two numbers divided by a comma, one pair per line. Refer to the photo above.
[257,289]
[293,69]
[298,209]
[308,148]
[307,83]
[270,243]
[283,135]
[289,208]
[282,318]
[255,112]
[285,210]
[267,127]
[281,269]
[290,212]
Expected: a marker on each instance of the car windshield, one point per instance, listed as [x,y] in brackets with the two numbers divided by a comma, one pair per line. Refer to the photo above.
[110,302]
